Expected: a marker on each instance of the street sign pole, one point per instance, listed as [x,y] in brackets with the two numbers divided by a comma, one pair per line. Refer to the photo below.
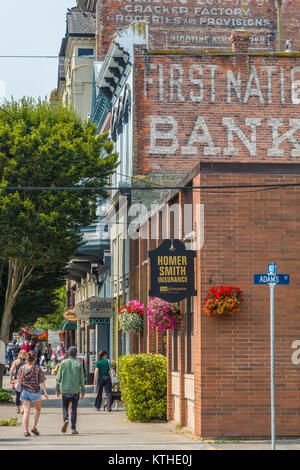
[272,324]
[272,279]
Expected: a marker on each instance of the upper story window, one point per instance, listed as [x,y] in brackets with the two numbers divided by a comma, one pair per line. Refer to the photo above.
[85,52]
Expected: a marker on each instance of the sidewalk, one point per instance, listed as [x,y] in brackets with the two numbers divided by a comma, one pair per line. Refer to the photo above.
[110,431]
[97,430]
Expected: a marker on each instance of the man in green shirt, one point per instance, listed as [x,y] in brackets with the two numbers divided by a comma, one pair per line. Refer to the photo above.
[70,383]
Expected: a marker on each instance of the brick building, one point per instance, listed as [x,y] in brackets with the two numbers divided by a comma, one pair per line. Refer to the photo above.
[204,94]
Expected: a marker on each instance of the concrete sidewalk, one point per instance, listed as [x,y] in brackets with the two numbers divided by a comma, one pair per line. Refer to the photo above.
[110,431]
[97,430]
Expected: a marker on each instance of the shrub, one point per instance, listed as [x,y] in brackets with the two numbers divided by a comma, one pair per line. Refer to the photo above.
[11,422]
[143,384]
[5,396]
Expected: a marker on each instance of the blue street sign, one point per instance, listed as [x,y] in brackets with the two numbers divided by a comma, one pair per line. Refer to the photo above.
[278,279]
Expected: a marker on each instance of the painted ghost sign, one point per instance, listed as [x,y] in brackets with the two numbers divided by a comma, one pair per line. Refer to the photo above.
[191,23]
[210,107]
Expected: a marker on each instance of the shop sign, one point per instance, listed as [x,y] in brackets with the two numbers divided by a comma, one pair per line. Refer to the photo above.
[95,307]
[172,269]
[70,315]
[53,339]
[99,321]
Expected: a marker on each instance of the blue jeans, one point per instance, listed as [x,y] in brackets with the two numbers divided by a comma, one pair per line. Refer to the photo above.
[104,381]
[66,400]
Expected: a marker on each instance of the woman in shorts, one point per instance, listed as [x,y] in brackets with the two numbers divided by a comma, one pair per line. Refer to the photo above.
[18,363]
[32,379]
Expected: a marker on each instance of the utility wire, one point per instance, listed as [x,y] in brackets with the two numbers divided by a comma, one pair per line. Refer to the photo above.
[148,188]
[130,188]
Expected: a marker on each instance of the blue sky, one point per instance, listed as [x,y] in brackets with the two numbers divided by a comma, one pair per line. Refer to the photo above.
[31,27]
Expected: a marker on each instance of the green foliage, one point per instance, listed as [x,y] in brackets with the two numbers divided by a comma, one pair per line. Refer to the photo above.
[52,321]
[143,383]
[11,422]
[5,396]
[42,145]
[40,297]
[45,146]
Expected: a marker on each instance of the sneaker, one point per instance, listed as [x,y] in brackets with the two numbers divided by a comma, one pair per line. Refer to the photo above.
[74,431]
[65,426]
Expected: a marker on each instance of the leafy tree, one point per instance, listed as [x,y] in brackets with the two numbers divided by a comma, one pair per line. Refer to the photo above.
[39,297]
[44,146]
[52,321]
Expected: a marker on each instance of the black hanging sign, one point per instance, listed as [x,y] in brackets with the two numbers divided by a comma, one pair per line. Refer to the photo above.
[172,271]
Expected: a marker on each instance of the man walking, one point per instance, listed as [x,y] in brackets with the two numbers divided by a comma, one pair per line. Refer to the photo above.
[69,383]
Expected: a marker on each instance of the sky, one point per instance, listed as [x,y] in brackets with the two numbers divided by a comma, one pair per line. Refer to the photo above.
[31,27]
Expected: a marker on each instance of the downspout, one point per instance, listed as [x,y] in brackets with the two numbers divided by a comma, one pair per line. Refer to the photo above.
[278,4]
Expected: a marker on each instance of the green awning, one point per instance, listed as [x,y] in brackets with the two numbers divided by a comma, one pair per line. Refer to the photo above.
[68,325]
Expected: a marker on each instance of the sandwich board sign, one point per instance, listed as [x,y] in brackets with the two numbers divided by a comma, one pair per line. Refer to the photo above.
[272,279]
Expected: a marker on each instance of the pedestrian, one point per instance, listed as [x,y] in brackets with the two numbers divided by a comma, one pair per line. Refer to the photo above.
[60,351]
[26,346]
[16,350]
[48,354]
[60,359]
[38,353]
[70,383]
[32,379]
[102,379]
[10,354]
[17,364]
[53,363]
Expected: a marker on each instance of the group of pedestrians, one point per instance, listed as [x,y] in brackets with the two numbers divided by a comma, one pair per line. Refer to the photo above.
[14,348]
[28,378]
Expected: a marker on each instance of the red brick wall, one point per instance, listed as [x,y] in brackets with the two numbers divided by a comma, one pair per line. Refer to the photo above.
[192,107]
[232,354]
[191,24]
[290,20]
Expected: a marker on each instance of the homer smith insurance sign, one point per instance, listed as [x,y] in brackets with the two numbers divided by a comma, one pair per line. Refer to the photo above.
[172,271]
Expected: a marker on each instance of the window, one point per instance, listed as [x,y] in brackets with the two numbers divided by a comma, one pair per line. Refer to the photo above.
[91,289]
[85,52]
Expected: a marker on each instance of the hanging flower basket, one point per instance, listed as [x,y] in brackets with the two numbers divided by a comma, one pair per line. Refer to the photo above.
[223,300]
[163,315]
[43,336]
[131,317]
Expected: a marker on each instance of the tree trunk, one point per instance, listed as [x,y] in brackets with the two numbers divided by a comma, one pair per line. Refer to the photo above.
[2,264]
[6,323]
[17,276]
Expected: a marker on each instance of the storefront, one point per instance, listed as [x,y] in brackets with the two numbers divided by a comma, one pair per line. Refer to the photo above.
[95,329]
[219,364]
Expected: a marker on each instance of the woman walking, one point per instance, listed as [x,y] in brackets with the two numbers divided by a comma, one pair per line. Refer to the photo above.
[102,379]
[38,353]
[18,363]
[31,376]
[47,355]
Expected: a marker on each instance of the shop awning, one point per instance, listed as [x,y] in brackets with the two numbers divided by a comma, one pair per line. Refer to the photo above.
[68,325]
